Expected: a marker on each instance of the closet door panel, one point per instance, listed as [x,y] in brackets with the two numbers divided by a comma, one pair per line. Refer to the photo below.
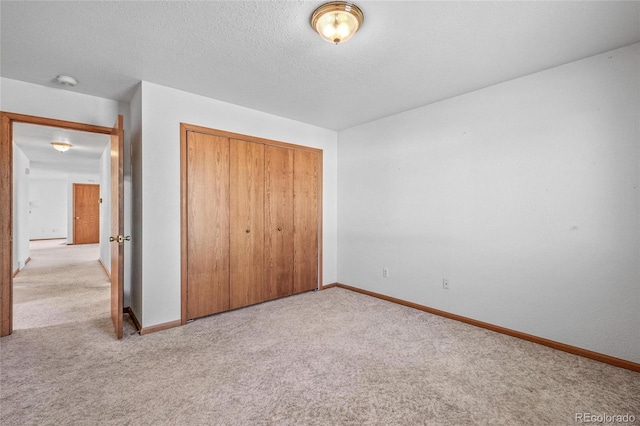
[305,208]
[208,224]
[247,223]
[278,222]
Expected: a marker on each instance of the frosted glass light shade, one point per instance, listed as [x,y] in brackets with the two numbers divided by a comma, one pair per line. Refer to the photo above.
[337,21]
[61,146]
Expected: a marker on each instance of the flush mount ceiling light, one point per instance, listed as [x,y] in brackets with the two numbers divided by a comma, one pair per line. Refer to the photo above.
[61,146]
[66,80]
[337,21]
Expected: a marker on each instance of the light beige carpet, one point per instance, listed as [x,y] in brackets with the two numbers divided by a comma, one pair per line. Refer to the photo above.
[61,284]
[328,358]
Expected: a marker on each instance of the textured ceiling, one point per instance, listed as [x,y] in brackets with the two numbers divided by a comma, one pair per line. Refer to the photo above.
[264,55]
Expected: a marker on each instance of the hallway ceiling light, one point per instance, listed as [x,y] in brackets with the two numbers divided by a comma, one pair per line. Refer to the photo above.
[61,146]
[337,21]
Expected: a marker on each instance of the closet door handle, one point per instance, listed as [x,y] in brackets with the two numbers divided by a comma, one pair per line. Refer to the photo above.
[247,231]
[279,228]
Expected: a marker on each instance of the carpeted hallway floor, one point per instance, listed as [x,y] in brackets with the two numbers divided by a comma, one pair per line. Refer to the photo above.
[327,358]
[62,284]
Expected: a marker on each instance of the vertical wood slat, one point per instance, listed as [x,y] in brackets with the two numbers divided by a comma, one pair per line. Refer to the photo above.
[6,227]
[208,230]
[117,224]
[247,223]
[278,221]
[305,208]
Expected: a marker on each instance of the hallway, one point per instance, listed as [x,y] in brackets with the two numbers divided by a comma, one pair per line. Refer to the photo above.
[61,284]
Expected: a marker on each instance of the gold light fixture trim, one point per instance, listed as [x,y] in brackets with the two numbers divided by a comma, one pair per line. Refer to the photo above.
[61,146]
[337,21]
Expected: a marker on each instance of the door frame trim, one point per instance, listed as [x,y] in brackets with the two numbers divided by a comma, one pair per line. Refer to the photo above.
[6,201]
[184,129]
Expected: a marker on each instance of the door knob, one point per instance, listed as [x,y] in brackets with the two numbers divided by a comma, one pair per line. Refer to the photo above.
[77,217]
[247,231]
[120,238]
[279,228]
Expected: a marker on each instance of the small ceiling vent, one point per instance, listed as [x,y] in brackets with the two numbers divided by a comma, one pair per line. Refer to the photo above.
[66,80]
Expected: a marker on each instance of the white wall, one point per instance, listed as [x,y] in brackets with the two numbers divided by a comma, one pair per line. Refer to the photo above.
[136,205]
[524,195]
[163,109]
[20,208]
[48,206]
[125,110]
[32,99]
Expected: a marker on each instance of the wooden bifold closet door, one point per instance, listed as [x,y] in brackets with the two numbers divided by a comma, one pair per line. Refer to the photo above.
[251,220]
[247,223]
[279,221]
[305,208]
[208,224]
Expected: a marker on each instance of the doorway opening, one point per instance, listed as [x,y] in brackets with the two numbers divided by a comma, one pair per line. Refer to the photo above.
[24,160]
[57,220]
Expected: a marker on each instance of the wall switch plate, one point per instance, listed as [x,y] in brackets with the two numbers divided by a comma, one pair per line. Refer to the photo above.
[385,272]
[445,284]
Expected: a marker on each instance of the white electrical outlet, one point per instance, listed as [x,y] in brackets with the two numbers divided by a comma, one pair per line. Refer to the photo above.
[385,272]
[445,284]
